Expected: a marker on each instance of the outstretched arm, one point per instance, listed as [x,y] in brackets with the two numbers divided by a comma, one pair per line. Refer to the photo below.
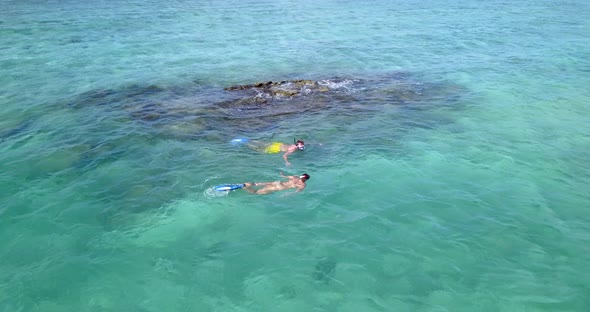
[288,176]
[285,157]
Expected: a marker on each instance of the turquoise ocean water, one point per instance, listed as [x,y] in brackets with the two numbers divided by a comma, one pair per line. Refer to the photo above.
[448,160]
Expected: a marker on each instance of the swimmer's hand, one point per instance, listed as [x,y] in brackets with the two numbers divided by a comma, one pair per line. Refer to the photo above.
[287,176]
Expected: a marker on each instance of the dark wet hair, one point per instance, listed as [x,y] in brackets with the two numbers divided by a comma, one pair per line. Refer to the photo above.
[304,177]
[299,141]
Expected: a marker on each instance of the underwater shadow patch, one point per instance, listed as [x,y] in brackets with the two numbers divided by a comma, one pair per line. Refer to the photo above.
[191,111]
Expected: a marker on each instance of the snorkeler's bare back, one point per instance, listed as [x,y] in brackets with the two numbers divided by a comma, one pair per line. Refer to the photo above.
[275,186]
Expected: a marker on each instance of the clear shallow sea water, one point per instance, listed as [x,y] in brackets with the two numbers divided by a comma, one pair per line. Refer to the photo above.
[448,164]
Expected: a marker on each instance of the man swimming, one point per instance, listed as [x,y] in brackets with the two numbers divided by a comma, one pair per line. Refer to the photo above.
[294,182]
[277,147]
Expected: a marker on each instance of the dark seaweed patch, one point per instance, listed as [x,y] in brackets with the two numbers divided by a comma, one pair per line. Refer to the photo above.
[324,270]
[20,128]
[191,110]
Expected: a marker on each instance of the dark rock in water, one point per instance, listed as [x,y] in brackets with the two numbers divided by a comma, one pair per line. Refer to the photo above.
[324,270]
[270,84]
[270,99]
[287,88]
[189,112]
[249,86]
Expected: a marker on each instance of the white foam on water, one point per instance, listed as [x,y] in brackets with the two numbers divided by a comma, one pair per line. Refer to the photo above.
[212,192]
[345,84]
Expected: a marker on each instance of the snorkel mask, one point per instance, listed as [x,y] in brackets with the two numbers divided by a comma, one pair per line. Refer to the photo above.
[300,144]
